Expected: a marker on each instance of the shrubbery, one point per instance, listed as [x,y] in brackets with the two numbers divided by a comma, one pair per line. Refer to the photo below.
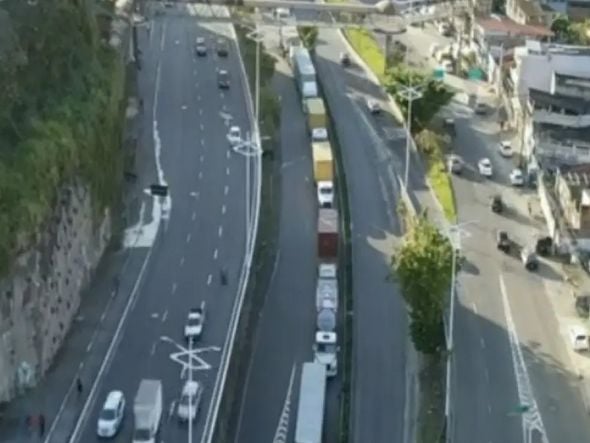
[61,91]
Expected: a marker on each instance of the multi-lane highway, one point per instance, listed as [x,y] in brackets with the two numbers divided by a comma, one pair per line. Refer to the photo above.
[380,339]
[206,228]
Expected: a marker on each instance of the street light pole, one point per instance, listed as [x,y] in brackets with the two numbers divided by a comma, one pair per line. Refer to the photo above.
[409,93]
[190,399]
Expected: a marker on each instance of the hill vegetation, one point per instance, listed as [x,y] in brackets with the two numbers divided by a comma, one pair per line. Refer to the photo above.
[61,90]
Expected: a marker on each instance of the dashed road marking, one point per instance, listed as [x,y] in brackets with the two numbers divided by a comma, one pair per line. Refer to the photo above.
[201,126]
[198,98]
[165,316]
[222,94]
[209,279]
[153,350]
[194,72]
[225,190]
[227,171]
[194,216]
[482,343]
[223,209]
[227,154]
[200,112]
[474,307]
[200,175]
[220,231]
[201,158]
[174,286]
[202,142]
[184,107]
[215,254]
[182,261]
[188,237]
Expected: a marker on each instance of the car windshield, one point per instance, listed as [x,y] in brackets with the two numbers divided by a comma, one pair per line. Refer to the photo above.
[234,132]
[194,321]
[185,400]
[485,162]
[107,414]
[328,348]
[326,191]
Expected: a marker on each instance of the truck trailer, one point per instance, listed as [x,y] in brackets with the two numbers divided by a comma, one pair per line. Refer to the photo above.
[316,113]
[325,348]
[310,411]
[327,234]
[304,73]
[323,162]
[147,411]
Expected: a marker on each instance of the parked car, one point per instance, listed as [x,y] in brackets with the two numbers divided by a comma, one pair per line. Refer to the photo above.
[481,108]
[449,125]
[505,148]
[529,259]
[503,242]
[454,164]
[485,167]
[111,415]
[516,177]
[497,204]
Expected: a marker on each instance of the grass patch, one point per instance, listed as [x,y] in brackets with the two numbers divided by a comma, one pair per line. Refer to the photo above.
[368,49]
[432,401]
[441,185]
[265,249]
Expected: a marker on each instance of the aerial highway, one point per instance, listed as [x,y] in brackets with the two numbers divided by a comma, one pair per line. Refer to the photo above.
[380,335]
[204,232]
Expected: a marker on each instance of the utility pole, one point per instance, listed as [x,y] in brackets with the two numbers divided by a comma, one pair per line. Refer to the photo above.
[409,93]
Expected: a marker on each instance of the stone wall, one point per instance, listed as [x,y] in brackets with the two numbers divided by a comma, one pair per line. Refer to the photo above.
[40,298]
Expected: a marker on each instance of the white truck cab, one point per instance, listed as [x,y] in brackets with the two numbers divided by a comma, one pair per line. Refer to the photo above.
[326,351]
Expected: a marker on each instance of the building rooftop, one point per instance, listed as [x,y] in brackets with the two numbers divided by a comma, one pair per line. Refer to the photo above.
[531,9]
[501,24]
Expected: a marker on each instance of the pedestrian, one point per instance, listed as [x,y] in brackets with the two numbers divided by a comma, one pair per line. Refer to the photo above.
[41,425]
[530,208]
[79,386]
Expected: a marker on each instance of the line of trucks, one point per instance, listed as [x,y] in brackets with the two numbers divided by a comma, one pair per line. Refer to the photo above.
[314,375]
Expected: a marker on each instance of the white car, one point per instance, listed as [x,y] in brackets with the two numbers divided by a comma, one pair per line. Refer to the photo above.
[505,149]
[195,322]
[374,106]
[485,167]
[325,194]
[200,46]
[190,400]
[516,177]
[111,415]
[234,136]
[319,135]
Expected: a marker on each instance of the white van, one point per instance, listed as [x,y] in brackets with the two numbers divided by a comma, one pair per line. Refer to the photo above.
[578,336]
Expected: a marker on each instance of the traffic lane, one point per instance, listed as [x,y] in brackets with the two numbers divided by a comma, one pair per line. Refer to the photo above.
[555,384]
[287,324]
[380,321]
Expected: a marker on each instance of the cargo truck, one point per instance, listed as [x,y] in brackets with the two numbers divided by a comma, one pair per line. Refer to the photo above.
[325,348]
[310,411]
[323,162]
[327,234]
[304,73]
[317,121]
[147,411]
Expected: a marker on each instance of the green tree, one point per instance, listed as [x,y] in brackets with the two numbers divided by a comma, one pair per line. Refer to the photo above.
[423,267]
[569,32]
[308,35]
[435,94]
[431,143]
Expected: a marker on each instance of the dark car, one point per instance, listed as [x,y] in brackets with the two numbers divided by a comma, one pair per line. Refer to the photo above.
[222,48]
[497,204]
[582,305]
[503,242]
[529,259]
[223,79]
[344,59]
[200,47]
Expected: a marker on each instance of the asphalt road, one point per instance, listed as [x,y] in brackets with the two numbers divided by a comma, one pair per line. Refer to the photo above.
[206,229]
[285,333]
[371,162]
[489,310]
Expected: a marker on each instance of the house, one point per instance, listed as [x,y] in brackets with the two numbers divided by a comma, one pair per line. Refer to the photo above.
[572,191]
[550,102]
[578,10]
[530,12]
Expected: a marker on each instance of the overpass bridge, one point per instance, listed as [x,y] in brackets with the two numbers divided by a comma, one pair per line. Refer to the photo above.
[385,17]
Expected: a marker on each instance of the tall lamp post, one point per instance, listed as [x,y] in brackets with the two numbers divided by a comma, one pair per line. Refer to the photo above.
[190,400]
[409,93]
[456,233]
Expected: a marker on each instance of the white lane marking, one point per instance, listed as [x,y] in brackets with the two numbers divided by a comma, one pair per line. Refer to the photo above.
[223,209]
[200,175]
[225,190]
[188,237]
[201,158]
[194,216]
[482,343]
[202,142]
[222,94]
[200,112]
[215,254]
[209,279]
[194,72]
[89,346]
[227,171]
[531,419]
[198,98]
[201,126]
[163,38]
[171,409]
[184,107]
[227,154]
[487,374]
[489,409]
[153,349]
[182,261]
[282,430]
[474,307]
[174,287]
[165,316]
[220,231]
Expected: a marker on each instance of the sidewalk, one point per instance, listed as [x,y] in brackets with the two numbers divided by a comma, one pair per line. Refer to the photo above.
[81,355]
